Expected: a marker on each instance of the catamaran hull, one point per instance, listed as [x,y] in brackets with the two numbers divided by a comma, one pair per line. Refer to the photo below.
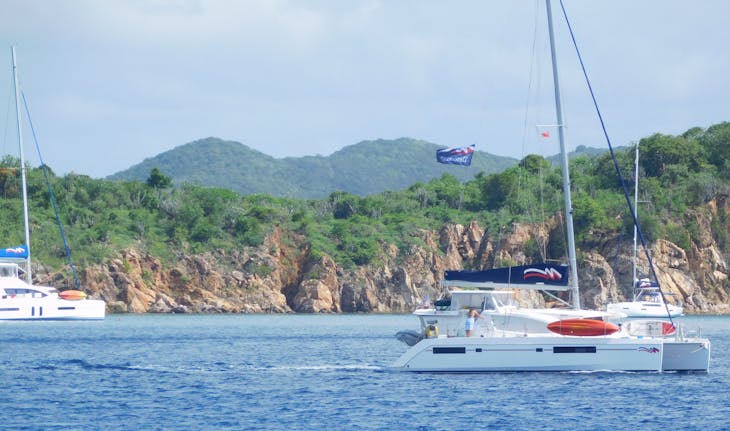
[691,355]
[55,309]
[461,354]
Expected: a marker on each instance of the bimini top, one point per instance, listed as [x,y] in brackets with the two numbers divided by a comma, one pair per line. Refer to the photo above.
[542,276]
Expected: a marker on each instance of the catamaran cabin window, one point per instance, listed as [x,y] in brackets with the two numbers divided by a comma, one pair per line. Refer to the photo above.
[8,271]
[24,292]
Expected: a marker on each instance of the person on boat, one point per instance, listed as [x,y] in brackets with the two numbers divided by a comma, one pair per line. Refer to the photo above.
[471,318]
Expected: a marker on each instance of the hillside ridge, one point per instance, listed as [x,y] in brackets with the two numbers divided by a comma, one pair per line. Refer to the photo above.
[364,168]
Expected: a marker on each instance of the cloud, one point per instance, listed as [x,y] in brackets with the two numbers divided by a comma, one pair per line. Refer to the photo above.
[311,76]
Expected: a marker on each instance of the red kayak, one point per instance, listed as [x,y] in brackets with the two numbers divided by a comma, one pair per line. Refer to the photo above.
[582,327]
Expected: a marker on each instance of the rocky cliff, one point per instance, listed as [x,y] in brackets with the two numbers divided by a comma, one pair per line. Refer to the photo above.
[281,276]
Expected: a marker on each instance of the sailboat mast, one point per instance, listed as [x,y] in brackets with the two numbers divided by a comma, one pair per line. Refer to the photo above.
[564,164]
[28,276]
[636,204]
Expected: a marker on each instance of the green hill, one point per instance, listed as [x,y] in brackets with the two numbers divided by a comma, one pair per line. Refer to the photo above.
[362,169]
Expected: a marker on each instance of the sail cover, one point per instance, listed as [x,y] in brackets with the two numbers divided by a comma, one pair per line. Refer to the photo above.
[17,252]
[526,276]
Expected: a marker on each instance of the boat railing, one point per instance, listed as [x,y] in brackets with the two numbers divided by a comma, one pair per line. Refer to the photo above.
[683,333]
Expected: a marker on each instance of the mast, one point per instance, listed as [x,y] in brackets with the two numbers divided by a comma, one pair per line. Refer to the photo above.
[28,276]
[636,202]
[564,165]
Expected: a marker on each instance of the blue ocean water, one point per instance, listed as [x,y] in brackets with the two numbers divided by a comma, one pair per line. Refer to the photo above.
[304,372]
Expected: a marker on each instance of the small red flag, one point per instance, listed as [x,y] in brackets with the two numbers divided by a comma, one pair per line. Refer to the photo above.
[545,134]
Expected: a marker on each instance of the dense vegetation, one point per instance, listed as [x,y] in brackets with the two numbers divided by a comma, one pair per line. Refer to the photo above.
[679,174]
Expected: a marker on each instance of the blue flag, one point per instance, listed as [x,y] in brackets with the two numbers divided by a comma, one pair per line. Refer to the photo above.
[456,156]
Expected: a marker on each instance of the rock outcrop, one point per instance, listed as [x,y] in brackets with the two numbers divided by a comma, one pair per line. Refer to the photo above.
[282,276]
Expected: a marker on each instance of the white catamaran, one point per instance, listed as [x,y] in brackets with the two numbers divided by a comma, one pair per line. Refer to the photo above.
[19,298]
[505,337]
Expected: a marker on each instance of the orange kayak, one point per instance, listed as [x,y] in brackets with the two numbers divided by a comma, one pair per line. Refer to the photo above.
[72,295]
[582,327]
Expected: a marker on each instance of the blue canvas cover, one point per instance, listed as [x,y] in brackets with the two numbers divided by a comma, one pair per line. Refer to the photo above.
[17,252]
[541,273]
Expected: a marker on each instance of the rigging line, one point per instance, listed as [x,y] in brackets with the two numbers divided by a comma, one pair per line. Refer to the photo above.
[615,164]
[538,92]
[522,174]
[50,192]
[529,84]
[535,211]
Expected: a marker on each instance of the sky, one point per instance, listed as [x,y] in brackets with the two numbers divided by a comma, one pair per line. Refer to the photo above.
[111,83]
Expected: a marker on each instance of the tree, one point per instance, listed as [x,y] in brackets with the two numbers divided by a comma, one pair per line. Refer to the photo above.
[604,170]
[448,190]
[659,151]
[535,164]
[345,205]
[497,189]
[716,142]
[159,181]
